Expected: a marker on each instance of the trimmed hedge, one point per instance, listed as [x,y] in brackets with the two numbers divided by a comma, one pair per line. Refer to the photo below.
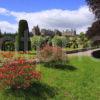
[8,46]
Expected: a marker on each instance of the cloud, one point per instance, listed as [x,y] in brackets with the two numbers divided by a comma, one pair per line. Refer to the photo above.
[8,27]
[4,11]
[79,19]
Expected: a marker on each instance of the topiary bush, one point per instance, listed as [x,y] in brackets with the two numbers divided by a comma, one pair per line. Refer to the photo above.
[22,31]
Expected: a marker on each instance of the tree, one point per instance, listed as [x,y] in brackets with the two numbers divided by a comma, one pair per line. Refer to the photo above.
[95,7]
[37,30]
[94,33]
[0,34]
[57,32]
[22,40]
[94,29]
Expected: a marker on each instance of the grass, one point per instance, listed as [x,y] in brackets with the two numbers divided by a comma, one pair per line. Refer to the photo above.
[79,80]
[71,49]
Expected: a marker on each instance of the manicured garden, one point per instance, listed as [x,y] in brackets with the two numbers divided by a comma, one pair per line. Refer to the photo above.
[78,79]
[38,68]
[48,64]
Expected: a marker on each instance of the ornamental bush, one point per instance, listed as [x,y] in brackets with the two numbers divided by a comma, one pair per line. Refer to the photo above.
[60,41]
[8,46]
[37,42]
[18,74]
[52,55]
[22,31]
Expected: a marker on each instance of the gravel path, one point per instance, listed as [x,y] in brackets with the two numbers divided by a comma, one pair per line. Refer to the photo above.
[85,53]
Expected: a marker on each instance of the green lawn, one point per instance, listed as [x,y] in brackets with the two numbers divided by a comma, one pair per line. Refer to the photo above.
[79,80]
[71,49]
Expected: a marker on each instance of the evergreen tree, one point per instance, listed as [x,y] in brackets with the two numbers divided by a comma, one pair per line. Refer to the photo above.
[0,33]
[23,31]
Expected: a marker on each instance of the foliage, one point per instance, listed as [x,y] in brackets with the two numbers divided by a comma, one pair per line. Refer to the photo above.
[57,32]
[60,41]
[23,29]
[93,33]
[84,41]
[78,80]
[8,46]
[49,42]
[95,6]
[0,33]
[74,42]
[94,29]
[37,42]
[9,35]
[68,42]
[50,54]
[37,30]
[19,73]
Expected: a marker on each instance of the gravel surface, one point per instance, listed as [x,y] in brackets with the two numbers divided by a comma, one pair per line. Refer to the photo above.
[85,53]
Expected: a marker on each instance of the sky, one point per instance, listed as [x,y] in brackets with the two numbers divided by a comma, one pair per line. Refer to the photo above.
[49,14]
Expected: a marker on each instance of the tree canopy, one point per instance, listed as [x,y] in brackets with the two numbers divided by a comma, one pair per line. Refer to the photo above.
[94,30]
[95,7]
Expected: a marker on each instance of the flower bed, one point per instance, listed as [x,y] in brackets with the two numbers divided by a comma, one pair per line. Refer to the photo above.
[19,73]
[7,54]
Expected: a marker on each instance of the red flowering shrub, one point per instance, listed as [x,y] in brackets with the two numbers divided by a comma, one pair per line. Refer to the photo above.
[19,74]
[52,54]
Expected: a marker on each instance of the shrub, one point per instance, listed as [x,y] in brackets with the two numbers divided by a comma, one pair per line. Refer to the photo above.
[38,42]
[18,74]
[49,41]
[74,42]
[8,46]
[51,54]
[60,41]
[23,29]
